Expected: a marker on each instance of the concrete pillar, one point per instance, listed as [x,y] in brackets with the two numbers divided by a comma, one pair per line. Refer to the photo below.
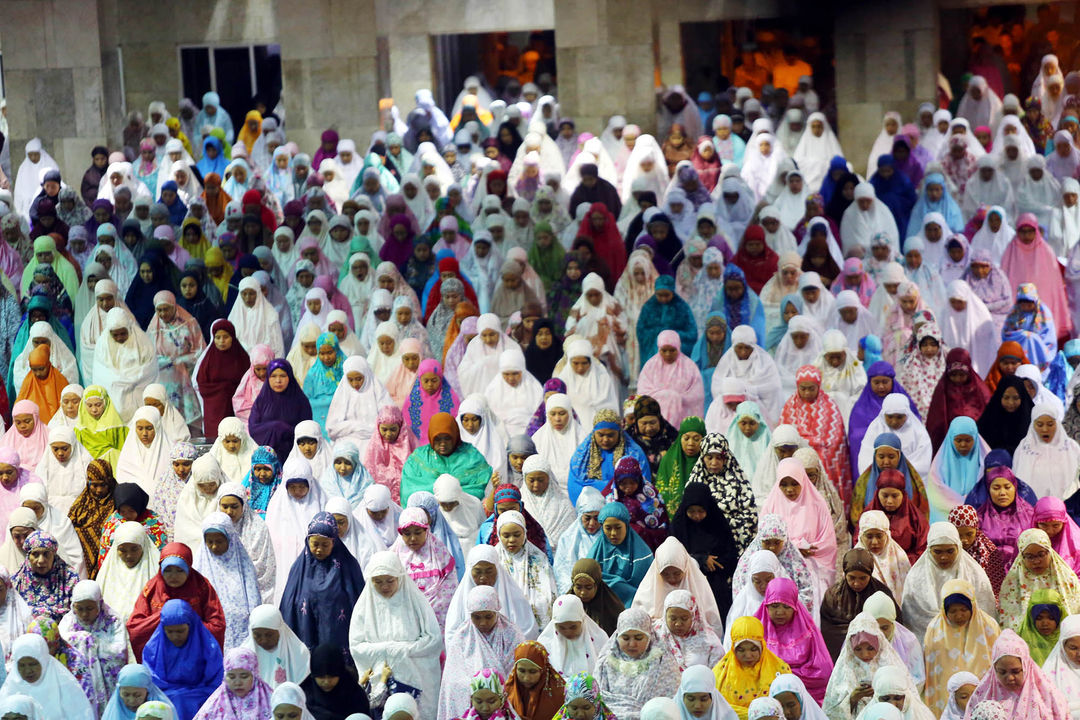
[328,68]
[411,65]
[885,60]
[53,76]
[604,50]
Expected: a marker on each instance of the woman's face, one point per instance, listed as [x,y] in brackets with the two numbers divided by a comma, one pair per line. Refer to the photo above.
[278,380]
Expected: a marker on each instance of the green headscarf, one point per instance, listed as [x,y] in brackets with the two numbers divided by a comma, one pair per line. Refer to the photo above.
[675,466]
[103,436]
[547,262]
[1041,645]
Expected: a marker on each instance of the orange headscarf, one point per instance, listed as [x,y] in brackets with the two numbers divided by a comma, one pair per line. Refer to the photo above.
[216,206]
[462,310]
[246,135]
[46,393]
[544,699]
[443,423]
[1007,349]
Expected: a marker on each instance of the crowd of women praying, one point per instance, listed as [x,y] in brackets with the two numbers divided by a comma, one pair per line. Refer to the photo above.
[512,422]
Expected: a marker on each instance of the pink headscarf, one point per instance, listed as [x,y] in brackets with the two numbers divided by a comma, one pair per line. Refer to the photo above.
[322,265]
[1067,542]
[677,387]
[1036,263]
[244,397]
[808,519]
[385,460]
[443,400]
[401,379]
[32,447]
[9,496]
[799,643]
[1039,699]
[224,705]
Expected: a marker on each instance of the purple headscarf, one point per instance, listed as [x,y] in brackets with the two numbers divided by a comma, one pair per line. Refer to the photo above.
[92,224]
[868,406]
[393,250]
[1004,525]
[275,414]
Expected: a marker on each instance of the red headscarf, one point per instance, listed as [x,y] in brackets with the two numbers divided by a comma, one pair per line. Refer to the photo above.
[758,268]
[218,375]
[607,241]
[254,197]
[822,423]
[907,525]
[196,590]
[435,294]
[951,400]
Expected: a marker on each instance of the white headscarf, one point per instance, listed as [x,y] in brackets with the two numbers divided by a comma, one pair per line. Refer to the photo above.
[259,323]
[514,406]
[552,509]
[56,690]
[858,227]
[124,370]
[255,536]
[121,586]
[468,514]
[491,439]
[984,111]
[760,170]
[56,524]
[512,601]
[288,662]
[570,657]
[883,143]
[747,599]
[400,631]
[1058,667]
[352,413]
[790,358]
[591,392]
[759,372]
[193,506]
[820,310]
[481,362]
[864,324]
[28,178]
[996,191]
[646,149]
[558,447]
[60,356]
[971,328]
[921,599]
[376,499]
[64,481]
[814,153]
[288,518]
[236,465]
[138,463]
[914,440]
[1049,468]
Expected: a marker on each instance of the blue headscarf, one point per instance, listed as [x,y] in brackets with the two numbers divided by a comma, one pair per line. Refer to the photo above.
[624,565]
[352,487]
[946,206]
[133,676]
[828,185]
[998,458]
[747,311]
[959,472]
[871,347]
[187,674]
[322,381]
[896,191]
[777,332]
[178,210]
[262,492]
[892,440]
[656,317]
[320,594]
[216,165]
[438,524]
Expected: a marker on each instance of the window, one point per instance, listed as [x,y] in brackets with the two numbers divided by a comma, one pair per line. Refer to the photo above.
[238,73]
